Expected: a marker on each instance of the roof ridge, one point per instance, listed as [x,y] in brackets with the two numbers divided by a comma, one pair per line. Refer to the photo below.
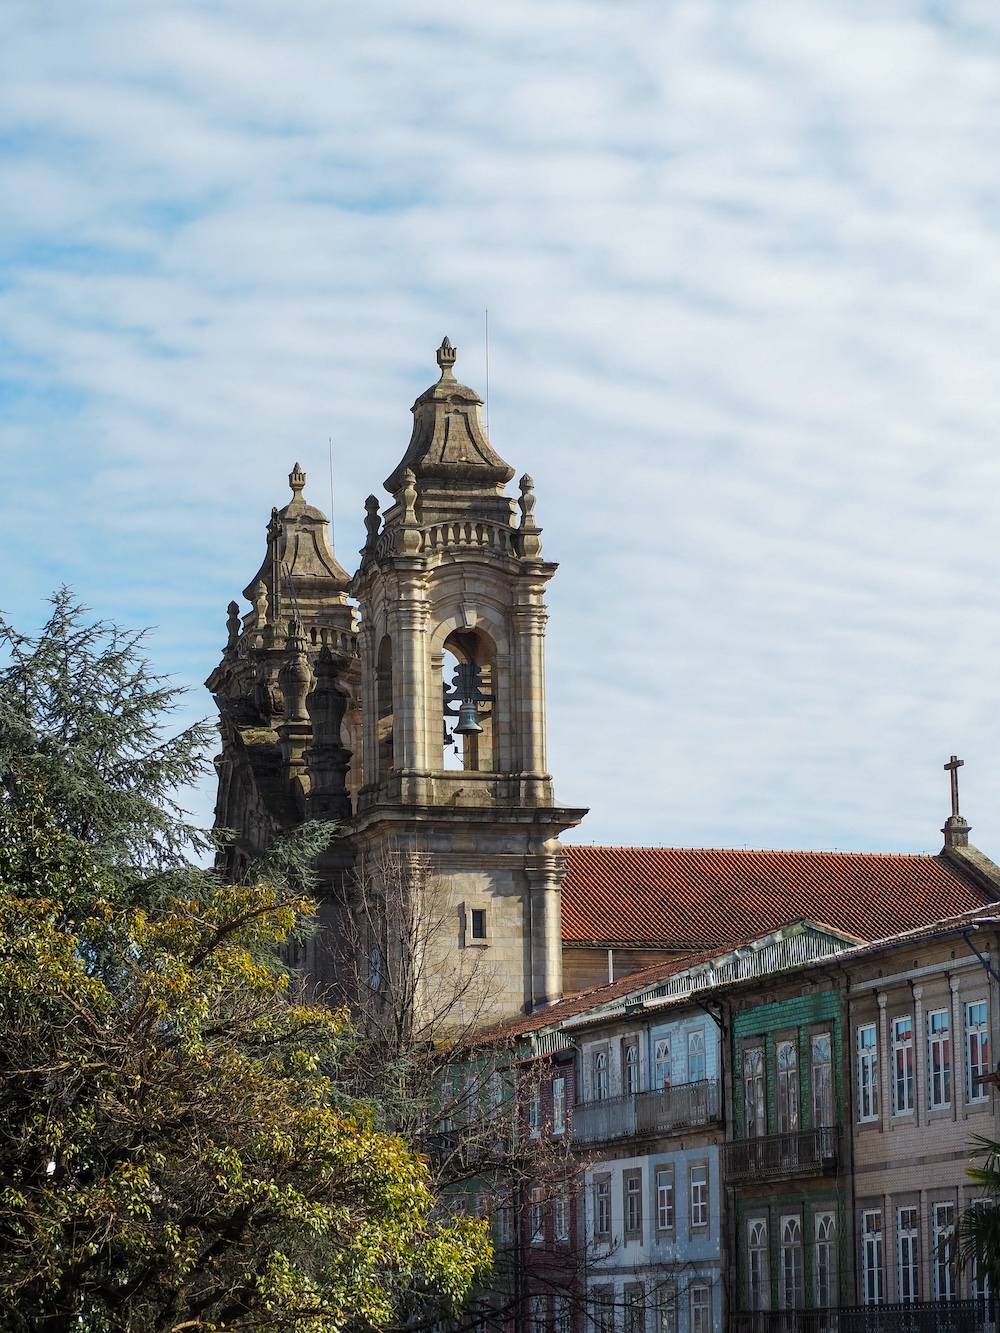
[744,851]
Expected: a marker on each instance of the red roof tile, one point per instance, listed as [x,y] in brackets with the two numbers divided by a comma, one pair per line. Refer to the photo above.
[694,898]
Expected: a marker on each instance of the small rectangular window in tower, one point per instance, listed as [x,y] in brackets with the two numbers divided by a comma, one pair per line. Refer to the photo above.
[475,925]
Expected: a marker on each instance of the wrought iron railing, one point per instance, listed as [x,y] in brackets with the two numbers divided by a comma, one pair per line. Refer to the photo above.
[656,1112]
[678,1107]
[806,1152]
[926,1317]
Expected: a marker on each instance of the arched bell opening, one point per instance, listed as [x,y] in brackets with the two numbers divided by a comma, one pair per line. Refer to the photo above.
[383,707]
[469,702]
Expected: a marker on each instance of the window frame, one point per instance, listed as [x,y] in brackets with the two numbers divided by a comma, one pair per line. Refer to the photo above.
[757,1086]
[699,1203]
[903,1065]
[977,1093]
[943,1249]
[827,1243]
[872,1257]
[787,1086]
[558,1093]
[867,1059]
[662,1071]
[632,1202]
[602,1208]
[822,1108]
[700,1315]
[663,1183]
[791,1270]
[908,1243]
[697,1055]
[758,1264]
[536,1215]
[939,1061]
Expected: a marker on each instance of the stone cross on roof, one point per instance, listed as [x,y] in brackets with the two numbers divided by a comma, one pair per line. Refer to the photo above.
[952,767]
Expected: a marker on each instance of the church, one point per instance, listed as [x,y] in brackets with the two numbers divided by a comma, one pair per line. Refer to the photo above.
[406,703]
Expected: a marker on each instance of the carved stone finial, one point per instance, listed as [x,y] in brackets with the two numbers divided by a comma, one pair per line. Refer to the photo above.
[295,676]
[446,358]
[233,623]
[372,523]
[297,481]
[274,527]
[529,541]
[409,499]
[260,603]
[409,538]
[526,504]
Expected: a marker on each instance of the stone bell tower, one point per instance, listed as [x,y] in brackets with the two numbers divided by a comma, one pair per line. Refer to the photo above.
[452,637]
[420,730]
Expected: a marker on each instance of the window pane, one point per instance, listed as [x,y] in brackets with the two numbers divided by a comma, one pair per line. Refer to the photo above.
[821,1078]
[753,1092]
[867,1048]
[939,1058]
[902,1065]
[871,1256]
[977,1046]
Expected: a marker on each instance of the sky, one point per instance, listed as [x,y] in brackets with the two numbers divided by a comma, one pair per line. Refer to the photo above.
[742,265]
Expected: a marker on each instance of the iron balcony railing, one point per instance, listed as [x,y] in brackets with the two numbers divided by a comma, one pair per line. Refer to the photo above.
[925,1317]
[646,1113]
[806,1152]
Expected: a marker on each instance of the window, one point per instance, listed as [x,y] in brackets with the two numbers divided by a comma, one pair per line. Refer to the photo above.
[902,1065]
[824,1259]
[665,1198]
[505,1221]
[481,1203]
[535,1111]
[867,1045]
[536,1215]
[602,1208]
[562,1322]
[790,1259]
[696,1055]
[602,1309]
[478,915]
[939,1058]
[786,1058]
[630,1068]
[699,1196]
[600,1072]
[560,1214]
[632,1182]
[661,1062]
[635,1309]
[821,1079]
[872,1292]
[701,1309]
[977,1047]
[753,1092]
[758,1265]
[559,1106]
[942,1256]
[907,1257]
[537,1314]
[665,1319]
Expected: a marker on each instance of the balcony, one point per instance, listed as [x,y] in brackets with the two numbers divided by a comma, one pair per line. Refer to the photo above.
[647,1113]
[809,1152]
[927,1317]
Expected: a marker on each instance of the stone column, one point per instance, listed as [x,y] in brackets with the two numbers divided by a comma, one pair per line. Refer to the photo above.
[529,622]
[544,880]
[920,1091]
[410,672]
[957,1052]
[885,1119]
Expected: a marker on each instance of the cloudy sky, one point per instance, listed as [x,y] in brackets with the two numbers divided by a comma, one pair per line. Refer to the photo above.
[742,264]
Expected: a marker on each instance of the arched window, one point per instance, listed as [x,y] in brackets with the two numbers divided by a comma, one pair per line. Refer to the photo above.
[469,696]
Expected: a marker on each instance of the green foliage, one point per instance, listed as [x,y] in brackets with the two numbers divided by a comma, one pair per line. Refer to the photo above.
[175,1151]
[979,1224]
[83,719]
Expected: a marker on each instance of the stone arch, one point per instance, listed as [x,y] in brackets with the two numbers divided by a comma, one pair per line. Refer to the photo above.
[467,646]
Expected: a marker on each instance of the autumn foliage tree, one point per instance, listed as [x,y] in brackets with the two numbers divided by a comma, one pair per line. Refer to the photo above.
[179,1147]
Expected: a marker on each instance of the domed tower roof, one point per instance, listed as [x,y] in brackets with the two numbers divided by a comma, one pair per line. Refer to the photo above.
[448,446]
[300,563]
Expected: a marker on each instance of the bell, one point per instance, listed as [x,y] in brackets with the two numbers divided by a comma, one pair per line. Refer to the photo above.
[467,723]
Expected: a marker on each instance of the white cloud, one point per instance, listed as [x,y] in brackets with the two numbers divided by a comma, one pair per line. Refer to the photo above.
[742,266]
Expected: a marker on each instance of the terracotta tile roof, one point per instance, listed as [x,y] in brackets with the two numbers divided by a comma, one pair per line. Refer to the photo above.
[694,898]
[581,1001]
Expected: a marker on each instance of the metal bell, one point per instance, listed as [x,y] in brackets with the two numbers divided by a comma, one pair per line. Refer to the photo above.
[467,722]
